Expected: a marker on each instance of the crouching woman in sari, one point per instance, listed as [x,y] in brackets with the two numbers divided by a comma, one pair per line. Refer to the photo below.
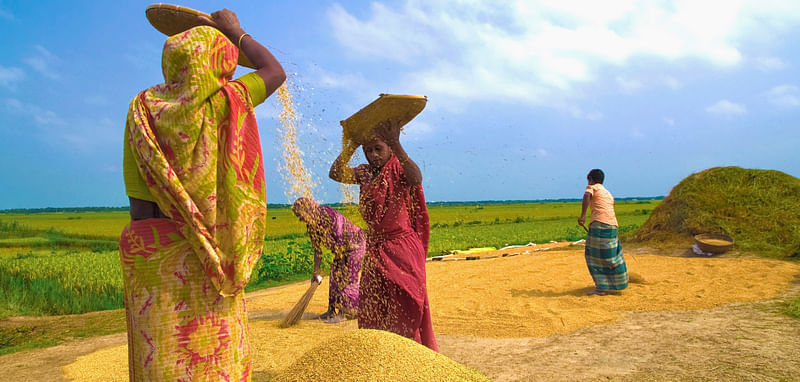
[195,178]
[393,295]
[327,227]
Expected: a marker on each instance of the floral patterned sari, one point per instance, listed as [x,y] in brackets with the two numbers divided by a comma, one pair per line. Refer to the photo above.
[196,145]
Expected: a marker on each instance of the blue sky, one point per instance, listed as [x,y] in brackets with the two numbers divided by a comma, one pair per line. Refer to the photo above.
[524,96]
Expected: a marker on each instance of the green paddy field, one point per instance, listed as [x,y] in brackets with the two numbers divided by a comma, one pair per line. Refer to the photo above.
[56,263]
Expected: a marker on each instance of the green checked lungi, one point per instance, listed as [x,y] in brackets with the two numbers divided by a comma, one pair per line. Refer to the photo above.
[604,257]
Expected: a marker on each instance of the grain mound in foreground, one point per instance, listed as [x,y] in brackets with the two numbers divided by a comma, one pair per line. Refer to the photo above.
[758,208]
[375,355]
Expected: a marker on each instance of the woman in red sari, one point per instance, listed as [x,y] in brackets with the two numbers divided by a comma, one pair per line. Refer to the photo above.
[393,295]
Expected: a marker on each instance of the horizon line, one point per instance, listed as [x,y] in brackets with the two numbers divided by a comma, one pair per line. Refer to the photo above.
[337,204]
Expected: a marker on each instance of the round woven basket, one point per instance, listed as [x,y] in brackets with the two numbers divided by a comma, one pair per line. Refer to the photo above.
[401,108]
[713,242]
[173,19]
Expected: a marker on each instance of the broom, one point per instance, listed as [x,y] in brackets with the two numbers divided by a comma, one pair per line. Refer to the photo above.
[298,309]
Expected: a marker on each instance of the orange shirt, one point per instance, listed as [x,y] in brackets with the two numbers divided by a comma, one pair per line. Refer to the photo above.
[602,204]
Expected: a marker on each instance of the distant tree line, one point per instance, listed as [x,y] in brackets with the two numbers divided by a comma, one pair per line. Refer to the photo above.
[539,201]
[284,205]
[61,209]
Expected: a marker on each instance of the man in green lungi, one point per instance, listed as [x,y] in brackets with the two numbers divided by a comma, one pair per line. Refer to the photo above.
[603,250]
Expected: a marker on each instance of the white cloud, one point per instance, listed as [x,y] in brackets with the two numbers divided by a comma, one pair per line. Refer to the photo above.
[576,112]
[41,117]
[416,130]
[10,76]
[88,134]
[6,14]
[538,52]
[595,116]
[109,168]
[13,104]
[268,110]
[542,153]
[668,121]
[784,95]
[726,108]
[47,118]
[83,134]
[43,62]
[74,134]
[637,133]
[769,64]
[143,55]
[354,82]
[339,80]
[671,82]
[629,85]
[392,35]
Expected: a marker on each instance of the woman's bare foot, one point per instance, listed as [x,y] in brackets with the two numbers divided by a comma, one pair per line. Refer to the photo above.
[326,315]
[336,319]
[350,314]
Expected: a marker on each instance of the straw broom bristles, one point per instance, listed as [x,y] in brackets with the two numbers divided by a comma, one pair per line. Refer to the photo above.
[297,311]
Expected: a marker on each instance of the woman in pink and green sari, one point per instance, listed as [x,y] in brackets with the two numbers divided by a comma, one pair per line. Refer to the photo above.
[328,227]
[195,178]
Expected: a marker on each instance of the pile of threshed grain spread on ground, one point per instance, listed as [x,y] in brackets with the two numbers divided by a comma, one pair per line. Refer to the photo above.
[534,295]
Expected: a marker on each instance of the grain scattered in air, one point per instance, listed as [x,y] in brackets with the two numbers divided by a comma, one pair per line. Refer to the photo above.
[292,167]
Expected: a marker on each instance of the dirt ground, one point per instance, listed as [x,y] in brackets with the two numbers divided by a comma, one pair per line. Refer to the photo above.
[658,330]
[738,342]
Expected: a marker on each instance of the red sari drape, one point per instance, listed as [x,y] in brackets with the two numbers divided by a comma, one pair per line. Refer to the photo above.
[393,292]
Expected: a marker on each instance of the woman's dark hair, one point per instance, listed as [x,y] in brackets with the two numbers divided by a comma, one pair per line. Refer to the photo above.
[596,175]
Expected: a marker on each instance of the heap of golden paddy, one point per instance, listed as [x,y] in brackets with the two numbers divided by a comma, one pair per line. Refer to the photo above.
[375,355]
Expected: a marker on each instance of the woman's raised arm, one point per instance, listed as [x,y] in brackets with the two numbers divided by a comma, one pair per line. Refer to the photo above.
[389,132]
[340,169]
[267,67]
